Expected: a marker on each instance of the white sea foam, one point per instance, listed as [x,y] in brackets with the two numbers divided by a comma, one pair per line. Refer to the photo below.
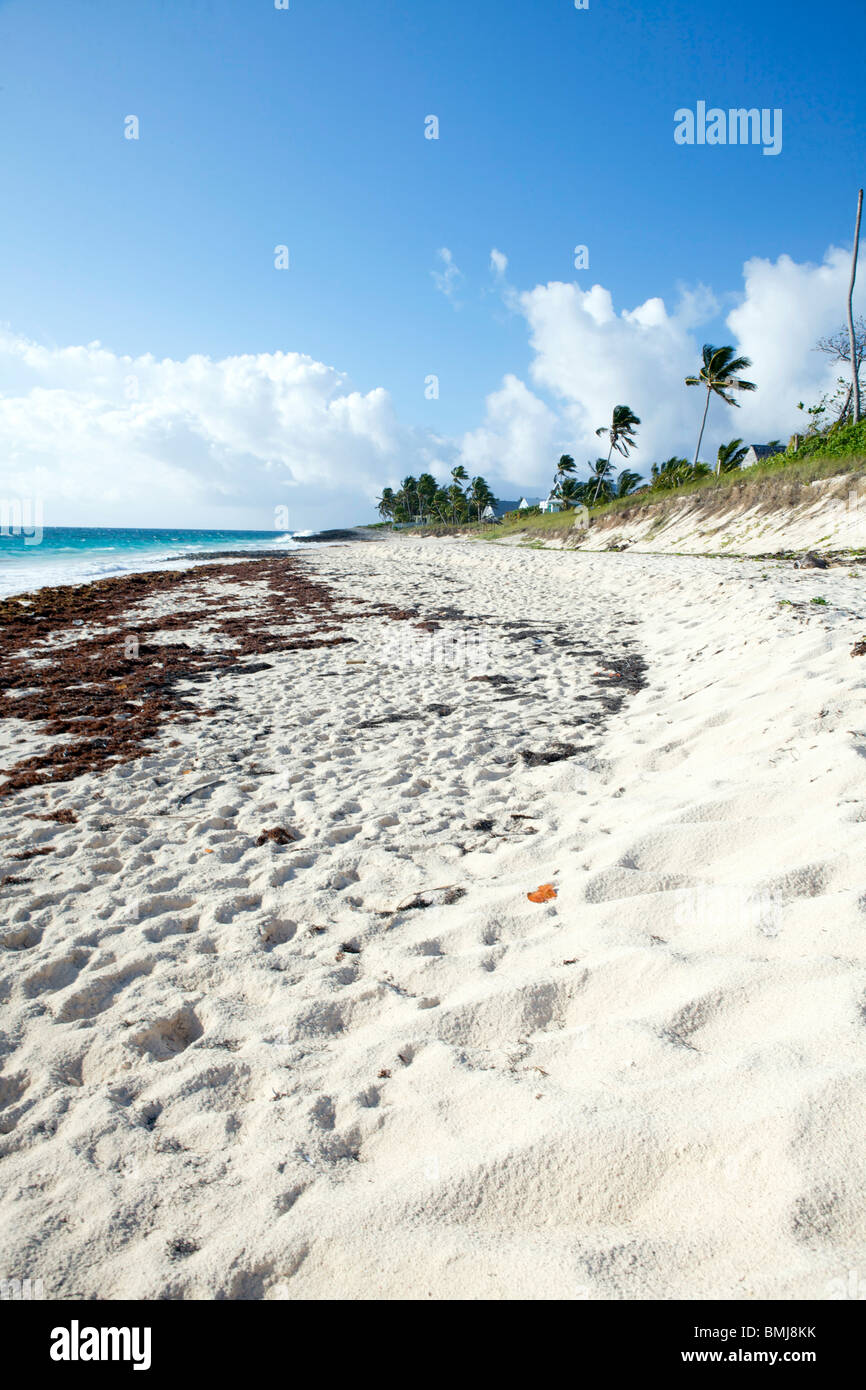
[24,572]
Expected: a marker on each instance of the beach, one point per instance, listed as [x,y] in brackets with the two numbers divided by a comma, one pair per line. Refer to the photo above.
[280,1018]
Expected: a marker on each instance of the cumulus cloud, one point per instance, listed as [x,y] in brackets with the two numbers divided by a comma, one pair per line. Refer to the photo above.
[590,356]
[517,438]
[785,308]
[108,439]
[138,438]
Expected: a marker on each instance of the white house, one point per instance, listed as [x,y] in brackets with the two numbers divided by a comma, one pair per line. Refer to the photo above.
[551,504]
[756,452]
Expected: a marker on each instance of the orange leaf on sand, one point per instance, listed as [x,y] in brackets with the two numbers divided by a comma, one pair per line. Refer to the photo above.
[542,894]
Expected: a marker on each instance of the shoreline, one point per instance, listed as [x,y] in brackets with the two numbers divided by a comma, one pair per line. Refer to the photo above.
[33,565]
[282,1019]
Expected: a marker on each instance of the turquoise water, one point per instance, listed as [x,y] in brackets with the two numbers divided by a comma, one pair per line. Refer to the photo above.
[31,557]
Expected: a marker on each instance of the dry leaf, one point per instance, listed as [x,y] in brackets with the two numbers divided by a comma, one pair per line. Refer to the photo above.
[542,894]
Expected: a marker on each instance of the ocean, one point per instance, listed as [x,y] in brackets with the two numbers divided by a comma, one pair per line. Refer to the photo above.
[31,557]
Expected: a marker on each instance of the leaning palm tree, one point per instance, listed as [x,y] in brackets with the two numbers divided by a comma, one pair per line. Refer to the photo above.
[480,495]
[620,431]
[627,482]
[673,472]
[386,503]
[440,504]
[409,496]
[572,493]
[730,456]
[600,474]
[456,502]
[719,375]
[564,469]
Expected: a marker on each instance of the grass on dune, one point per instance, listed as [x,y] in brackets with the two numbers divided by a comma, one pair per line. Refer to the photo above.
[775,482]
[772,482]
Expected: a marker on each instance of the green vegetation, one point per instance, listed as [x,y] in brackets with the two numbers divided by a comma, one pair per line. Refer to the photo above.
[826,450]
[836,451]
[730,456]
[847,441]
[719,374]
[420,501]
[621,433]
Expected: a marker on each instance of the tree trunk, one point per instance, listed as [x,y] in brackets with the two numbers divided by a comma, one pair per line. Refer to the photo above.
[701,435]
[855,365]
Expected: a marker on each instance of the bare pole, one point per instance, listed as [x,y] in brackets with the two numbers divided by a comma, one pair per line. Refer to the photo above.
[855,365]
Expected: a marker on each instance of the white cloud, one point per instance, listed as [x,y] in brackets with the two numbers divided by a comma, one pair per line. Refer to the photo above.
[517,440]
[589,357]
[446,280]
[498,263]
[786,307]
[101,436]
[114,440]
[592,358]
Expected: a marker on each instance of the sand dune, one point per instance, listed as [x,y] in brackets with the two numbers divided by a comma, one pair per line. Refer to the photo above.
[361,1063]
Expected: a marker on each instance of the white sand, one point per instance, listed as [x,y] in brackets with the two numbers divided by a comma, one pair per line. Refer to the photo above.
[827,513]
[649,1088]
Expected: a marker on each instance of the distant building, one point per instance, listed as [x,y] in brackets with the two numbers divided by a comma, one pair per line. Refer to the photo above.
[551,504]
[501,509]
[756,452]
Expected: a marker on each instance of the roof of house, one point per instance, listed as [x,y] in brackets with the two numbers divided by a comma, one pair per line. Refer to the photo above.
[501,508]
[762,451]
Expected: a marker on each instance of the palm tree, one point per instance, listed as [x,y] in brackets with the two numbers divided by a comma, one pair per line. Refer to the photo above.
[620,431]
[572,493]
[670,474]
[440,503]
[600,473]
[676,472]
[386,503]
[480,495]
[627,482]
[458,477]
[730,456]
[426,490]
[719,375]
[409,496]
[564,469]
[457,502]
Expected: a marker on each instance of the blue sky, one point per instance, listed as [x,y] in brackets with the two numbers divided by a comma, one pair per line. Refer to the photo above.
[305,127]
